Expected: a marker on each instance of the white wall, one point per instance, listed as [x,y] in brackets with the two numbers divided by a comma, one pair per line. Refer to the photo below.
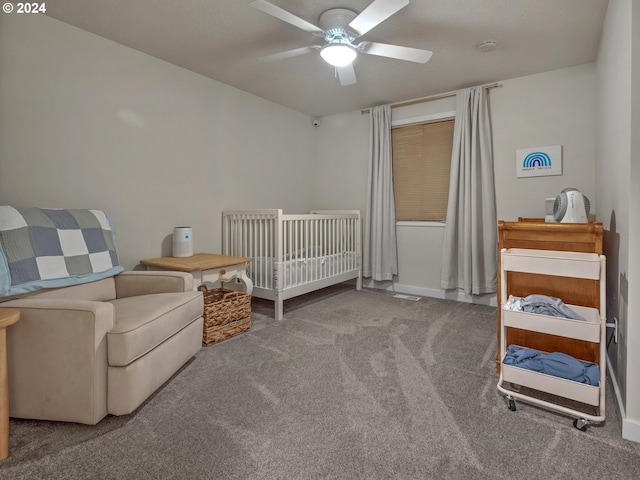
[632,422]
[551,108]
[617,167]
[88,123]
[341,162]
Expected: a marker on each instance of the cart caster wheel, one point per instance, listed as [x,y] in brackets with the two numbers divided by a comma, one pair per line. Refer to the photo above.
[580,424]
[511,403]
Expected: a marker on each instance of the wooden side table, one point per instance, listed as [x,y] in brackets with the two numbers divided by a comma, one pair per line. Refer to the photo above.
[7,317]
[206,267]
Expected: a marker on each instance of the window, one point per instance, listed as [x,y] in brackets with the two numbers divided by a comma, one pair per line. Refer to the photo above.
[421,165]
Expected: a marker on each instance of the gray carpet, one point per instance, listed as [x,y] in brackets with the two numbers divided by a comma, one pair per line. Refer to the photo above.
[350,385]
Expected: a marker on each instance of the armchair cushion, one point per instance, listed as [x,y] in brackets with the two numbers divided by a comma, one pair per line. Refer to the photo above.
[144,322]
[48,248]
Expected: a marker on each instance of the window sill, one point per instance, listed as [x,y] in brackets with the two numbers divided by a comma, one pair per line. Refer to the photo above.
[420,224]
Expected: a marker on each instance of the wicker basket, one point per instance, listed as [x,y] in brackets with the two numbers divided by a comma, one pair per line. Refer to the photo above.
[226,313]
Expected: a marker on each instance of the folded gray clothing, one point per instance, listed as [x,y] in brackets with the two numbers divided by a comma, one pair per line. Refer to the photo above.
[546,305]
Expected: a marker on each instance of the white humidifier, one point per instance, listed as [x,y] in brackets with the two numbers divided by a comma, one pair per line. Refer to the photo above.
[182,242]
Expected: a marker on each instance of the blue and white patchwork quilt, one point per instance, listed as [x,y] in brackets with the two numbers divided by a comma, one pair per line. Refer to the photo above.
[47,248]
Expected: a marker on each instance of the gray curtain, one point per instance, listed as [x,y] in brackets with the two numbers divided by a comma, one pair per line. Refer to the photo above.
[469,260]
[380,260]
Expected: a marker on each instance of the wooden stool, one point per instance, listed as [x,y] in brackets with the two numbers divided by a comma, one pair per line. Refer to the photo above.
[7,317]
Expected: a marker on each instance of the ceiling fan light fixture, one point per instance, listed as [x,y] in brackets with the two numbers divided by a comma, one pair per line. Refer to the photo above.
[338,54]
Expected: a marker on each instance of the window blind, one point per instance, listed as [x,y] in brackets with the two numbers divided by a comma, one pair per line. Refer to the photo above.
[421,165]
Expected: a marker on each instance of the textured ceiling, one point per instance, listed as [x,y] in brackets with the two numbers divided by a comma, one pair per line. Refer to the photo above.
[223,40]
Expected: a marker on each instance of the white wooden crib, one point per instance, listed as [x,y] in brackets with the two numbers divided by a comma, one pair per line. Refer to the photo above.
[294,254]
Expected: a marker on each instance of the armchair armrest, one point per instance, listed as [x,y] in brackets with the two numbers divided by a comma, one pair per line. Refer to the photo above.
[140,282]
[57,359]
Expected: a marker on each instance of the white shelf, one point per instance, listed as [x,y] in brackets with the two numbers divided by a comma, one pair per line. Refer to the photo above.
[588,329]
[550,262]
[580,392]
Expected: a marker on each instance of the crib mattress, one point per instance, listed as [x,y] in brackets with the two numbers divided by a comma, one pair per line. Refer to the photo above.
[265,271]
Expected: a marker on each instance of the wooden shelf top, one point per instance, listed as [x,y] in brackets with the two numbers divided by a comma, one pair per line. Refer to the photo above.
[198,261]
[8,316]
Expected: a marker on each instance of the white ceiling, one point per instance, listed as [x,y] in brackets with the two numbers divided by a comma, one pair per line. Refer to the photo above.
[223,40]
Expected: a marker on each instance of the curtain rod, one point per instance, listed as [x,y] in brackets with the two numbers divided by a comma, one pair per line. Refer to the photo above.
[433,97]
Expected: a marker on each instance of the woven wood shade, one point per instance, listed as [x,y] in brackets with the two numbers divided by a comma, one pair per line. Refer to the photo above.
[421,166]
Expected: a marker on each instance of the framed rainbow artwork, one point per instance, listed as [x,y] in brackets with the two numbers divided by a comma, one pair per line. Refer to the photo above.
[539,161]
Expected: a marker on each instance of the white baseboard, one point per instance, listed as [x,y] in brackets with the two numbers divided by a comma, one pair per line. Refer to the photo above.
[630,428]
[489,299]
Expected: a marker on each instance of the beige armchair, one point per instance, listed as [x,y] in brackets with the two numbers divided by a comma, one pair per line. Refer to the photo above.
[81,352]
[91,339]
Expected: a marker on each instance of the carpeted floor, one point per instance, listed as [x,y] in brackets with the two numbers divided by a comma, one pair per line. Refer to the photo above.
[350,385]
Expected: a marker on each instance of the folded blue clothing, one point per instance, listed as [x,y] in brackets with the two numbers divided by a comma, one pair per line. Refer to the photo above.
[546,305]
[557,364]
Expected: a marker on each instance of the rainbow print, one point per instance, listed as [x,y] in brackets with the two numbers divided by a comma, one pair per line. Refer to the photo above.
[536,159]
[535,162]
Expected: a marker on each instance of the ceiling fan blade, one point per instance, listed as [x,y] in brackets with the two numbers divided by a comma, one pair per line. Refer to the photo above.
[396,51]
[347,75]
[290,53]
[376,13]
[285,16]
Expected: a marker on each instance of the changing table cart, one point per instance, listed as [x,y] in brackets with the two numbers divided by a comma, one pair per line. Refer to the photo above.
[593,330]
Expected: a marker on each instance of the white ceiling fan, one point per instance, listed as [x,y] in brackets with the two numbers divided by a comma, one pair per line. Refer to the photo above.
[340,27]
